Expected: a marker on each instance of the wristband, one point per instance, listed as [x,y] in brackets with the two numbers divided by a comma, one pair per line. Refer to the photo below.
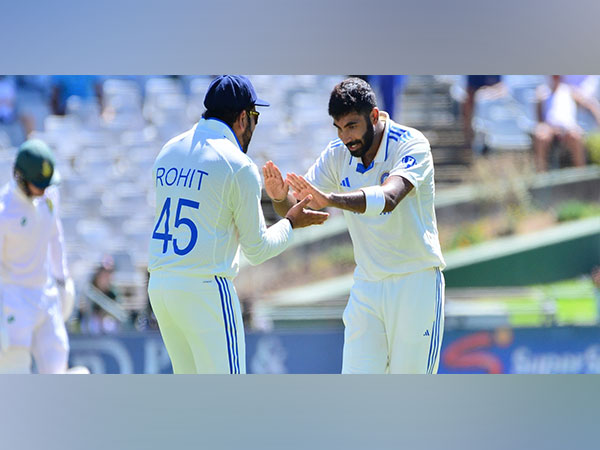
[375,200]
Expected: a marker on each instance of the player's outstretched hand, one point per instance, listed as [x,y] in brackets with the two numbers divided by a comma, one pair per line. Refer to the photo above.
[276,188]
[302,188]
[301,217]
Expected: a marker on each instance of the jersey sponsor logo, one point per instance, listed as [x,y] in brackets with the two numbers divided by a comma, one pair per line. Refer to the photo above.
[408,162]
[180,177]
[345,182]
[384,177]
[473,351]
[426,333]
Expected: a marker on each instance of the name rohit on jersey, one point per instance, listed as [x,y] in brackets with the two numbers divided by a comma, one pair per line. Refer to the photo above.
[189,178]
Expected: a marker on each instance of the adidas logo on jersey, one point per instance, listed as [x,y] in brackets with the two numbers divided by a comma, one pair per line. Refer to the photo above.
[345,182]
[426,333]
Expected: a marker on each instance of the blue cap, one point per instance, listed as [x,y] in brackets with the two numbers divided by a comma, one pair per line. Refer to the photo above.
[232,93]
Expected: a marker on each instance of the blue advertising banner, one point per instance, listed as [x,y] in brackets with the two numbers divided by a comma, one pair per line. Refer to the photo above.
[519,351]
[522,350]
[277,352]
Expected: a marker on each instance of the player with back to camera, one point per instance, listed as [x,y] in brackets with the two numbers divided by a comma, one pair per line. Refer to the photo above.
[380,174]
[207,207]
[33,264]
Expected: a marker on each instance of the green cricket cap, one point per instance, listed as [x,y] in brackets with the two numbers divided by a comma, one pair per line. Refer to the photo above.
[36,162]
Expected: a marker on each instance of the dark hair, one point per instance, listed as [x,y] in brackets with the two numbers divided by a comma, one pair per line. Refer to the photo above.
[225,115]
[351,95]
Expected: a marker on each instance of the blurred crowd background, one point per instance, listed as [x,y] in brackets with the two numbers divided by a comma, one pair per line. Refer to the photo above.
[493,135]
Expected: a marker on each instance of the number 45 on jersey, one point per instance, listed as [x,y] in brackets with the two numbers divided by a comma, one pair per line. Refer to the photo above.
[166,237]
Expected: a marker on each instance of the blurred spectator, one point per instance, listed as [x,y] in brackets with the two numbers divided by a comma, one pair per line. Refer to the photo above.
[33,100]
[389,89]
[87,87]
[96,320]
[14,127]
[102,278]
[587,85]
[557,121]
[145,320]
[474,83]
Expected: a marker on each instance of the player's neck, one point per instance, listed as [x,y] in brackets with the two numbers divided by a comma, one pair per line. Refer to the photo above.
[369,156]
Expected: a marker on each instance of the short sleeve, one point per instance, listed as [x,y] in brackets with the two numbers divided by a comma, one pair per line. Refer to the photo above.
[413,161]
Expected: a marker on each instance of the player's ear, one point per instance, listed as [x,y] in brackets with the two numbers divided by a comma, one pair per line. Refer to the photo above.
[374,116]
[240,122]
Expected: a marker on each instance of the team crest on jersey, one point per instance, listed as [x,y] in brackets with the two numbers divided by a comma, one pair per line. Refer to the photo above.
[384,177]
[408,162]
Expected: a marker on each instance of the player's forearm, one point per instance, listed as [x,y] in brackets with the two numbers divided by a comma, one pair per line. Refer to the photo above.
[350,201]
[282,207]
[267,243]
[393,191]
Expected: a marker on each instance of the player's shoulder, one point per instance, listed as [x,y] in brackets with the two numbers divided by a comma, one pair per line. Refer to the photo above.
[336,143]
[3,198]
[6,197]
[178,139]
[334,150]
[52,197]
[403,134]
[6,193]
[231,155]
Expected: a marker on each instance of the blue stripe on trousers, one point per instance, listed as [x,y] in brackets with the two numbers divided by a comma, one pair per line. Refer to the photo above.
[439,317]
[438,321]
[234,330]
[434,327]
[225,322]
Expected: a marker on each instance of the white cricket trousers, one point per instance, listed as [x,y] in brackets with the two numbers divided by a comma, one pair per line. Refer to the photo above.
[200,321]
[395,325]
[31,320]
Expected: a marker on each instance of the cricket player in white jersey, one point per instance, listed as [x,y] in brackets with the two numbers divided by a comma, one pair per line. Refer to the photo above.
[33,263]
[207,206]
[381,174]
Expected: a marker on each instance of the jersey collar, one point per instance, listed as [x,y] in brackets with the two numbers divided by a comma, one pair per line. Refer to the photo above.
[218,126]
[19,194]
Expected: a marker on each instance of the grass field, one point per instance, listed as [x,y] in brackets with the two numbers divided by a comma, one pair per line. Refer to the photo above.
[572,302]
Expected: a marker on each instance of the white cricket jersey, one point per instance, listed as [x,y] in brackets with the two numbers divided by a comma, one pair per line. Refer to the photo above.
[31,239]
[406,239]
[208,205]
